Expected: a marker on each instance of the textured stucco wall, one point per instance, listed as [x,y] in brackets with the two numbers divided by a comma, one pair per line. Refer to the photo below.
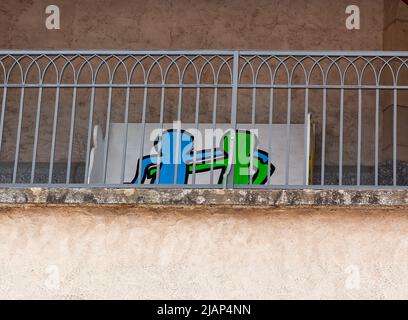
[183,24]
[238,24]
[203,252]
[396,38]
[395,25]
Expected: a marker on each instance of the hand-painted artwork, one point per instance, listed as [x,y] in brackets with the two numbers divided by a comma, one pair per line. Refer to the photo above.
[172,153]
[176,160]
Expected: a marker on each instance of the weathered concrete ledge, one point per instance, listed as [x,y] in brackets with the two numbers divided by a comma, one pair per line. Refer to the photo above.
[254,197]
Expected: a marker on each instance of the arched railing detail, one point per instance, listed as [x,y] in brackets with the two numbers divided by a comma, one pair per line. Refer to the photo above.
[52,101]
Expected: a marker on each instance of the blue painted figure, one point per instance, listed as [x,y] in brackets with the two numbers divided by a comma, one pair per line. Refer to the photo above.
[173,159]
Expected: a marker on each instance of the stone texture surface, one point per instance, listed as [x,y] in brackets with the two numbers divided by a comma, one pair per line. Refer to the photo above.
[205,197]
[202,253]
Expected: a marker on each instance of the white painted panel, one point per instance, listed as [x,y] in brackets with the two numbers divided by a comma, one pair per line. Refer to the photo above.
[297,160]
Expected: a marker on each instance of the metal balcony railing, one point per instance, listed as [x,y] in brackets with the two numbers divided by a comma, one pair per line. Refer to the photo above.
[208,119]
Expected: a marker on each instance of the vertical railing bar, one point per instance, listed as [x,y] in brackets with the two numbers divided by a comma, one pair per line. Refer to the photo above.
[306,138]
[90,130]
[359,140]
[377,129]
[20,120]
[214,120]
[394,138]
[3,111]
[197,116]
[179,109]
[108,118]
[140,173]
[288,125]
[125,136]
[234,104]
[54,133]
[71,134]
[270,122]
[161,132]
[36,133]
[322,171]
[252,142]
[341,137]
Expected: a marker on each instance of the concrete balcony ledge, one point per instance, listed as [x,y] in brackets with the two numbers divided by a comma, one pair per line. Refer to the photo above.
[202,197]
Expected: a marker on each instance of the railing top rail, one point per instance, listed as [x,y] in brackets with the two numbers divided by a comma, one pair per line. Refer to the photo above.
[117,52]
[327,53]
[206,52]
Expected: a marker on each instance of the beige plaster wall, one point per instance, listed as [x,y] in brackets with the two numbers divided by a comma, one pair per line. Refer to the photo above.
[197,252]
